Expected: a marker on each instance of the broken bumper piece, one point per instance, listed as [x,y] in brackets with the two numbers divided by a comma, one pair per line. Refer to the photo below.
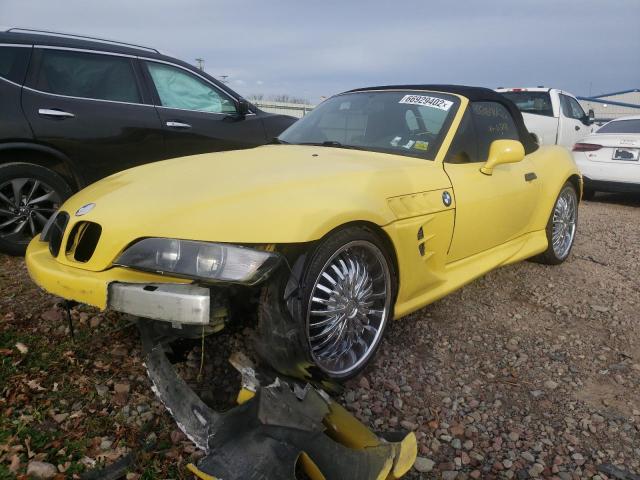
[276,431]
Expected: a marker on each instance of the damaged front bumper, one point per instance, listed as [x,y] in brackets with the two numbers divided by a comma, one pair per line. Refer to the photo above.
[124,290]
[277,430]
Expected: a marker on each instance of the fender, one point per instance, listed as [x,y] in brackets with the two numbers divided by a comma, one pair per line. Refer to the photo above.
[70,172]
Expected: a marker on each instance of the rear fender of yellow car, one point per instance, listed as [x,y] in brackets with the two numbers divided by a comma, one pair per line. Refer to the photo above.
[554,166]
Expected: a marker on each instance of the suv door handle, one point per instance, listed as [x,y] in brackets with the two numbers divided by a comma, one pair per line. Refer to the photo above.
[577,127]
[48,112]
[178,125]
[530,176]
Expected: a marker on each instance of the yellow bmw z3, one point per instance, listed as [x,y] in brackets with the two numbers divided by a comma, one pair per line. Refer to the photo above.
[379,202]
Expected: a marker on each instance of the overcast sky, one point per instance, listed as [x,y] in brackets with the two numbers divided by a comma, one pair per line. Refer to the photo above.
[314,49]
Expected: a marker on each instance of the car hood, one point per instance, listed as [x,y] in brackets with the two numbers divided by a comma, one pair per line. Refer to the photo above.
[269,194]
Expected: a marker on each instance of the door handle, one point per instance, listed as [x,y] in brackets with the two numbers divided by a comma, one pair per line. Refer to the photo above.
[48,112]
[178,125]
[577,127]
[530,176]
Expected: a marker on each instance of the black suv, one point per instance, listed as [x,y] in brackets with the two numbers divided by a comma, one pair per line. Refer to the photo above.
[75,109]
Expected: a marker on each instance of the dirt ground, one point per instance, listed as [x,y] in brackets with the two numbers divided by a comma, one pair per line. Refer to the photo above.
[531,371]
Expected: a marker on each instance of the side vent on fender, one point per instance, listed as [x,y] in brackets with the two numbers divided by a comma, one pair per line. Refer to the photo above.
[422,241]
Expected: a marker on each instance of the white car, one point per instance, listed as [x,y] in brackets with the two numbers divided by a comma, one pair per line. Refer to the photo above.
[609,159]
[553,117]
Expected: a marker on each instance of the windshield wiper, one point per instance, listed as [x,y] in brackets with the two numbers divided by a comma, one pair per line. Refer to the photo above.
[331,143]
[277,141]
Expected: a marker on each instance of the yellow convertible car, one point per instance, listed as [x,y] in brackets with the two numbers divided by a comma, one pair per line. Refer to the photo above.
[377,203]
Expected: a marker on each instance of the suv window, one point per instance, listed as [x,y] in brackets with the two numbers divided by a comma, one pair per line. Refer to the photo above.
[531,102]
[178,88]
[492,121]
[571,108]
[464,147]
[13,63]
[87,75]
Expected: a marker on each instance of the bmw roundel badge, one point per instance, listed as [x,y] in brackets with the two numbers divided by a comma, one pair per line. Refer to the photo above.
[446,198]
[85,209]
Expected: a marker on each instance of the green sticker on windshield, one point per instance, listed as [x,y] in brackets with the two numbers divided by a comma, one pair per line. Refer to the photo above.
[421,145]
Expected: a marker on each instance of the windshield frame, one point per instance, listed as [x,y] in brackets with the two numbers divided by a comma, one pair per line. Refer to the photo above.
[439,137]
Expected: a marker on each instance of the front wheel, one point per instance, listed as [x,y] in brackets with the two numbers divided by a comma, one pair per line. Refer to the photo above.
[561,227]
[348,294]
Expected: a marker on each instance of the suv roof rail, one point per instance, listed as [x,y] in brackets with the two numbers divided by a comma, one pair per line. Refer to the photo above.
[80,37]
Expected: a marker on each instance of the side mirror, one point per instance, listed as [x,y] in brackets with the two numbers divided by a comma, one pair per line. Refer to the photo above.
[591,115]
[502,151]
[243,107]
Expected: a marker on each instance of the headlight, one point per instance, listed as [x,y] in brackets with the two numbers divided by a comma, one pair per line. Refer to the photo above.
[200,260]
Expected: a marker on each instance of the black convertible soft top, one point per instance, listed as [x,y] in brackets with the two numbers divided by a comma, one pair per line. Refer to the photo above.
[474,94]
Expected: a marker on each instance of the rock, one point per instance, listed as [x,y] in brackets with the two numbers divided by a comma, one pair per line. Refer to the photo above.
[364,383]
[550,385]
[51,315]
[475,474]
[600,308]
[449,475]
[423,464]
[535,470]
[514,436]
[102,390]
[457,430]
[106,444]
[578,459]
[22,348]
[528,457]
[406,424]
[41,470]
[95,321]
[468,444]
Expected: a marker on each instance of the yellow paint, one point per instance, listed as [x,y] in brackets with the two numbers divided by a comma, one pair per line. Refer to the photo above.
[281,194]
[310,468]
[78,284]
[405,456]
[199,473]
[244,395]
[502,152]
[347,430]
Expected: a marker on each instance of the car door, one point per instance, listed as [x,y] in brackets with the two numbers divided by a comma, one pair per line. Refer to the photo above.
[91,107]
[196,115]
[572,126]
[490,209]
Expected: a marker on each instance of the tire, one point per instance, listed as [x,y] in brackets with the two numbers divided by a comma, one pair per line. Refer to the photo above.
[588,194]
[341,307]
[29,195]
[565,212]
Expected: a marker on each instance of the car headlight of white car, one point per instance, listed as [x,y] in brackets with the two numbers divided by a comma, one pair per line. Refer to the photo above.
[207,261]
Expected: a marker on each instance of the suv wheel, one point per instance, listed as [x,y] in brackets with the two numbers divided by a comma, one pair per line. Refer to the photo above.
[29,195]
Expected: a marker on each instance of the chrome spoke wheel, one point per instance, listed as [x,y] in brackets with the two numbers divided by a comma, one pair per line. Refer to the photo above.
[563,228]
[25,206]
[349,306]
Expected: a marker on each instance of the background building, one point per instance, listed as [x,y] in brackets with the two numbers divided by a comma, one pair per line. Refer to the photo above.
[613,105]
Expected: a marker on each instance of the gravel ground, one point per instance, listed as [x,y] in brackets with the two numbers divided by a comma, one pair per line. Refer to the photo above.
[531,371]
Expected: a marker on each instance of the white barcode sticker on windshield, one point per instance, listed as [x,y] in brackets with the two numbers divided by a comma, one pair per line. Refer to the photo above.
[434,102]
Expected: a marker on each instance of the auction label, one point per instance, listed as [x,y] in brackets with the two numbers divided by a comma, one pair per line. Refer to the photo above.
[434,102]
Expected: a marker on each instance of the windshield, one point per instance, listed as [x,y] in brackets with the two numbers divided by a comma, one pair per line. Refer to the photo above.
[621,126]
[399,122]
[531,102]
